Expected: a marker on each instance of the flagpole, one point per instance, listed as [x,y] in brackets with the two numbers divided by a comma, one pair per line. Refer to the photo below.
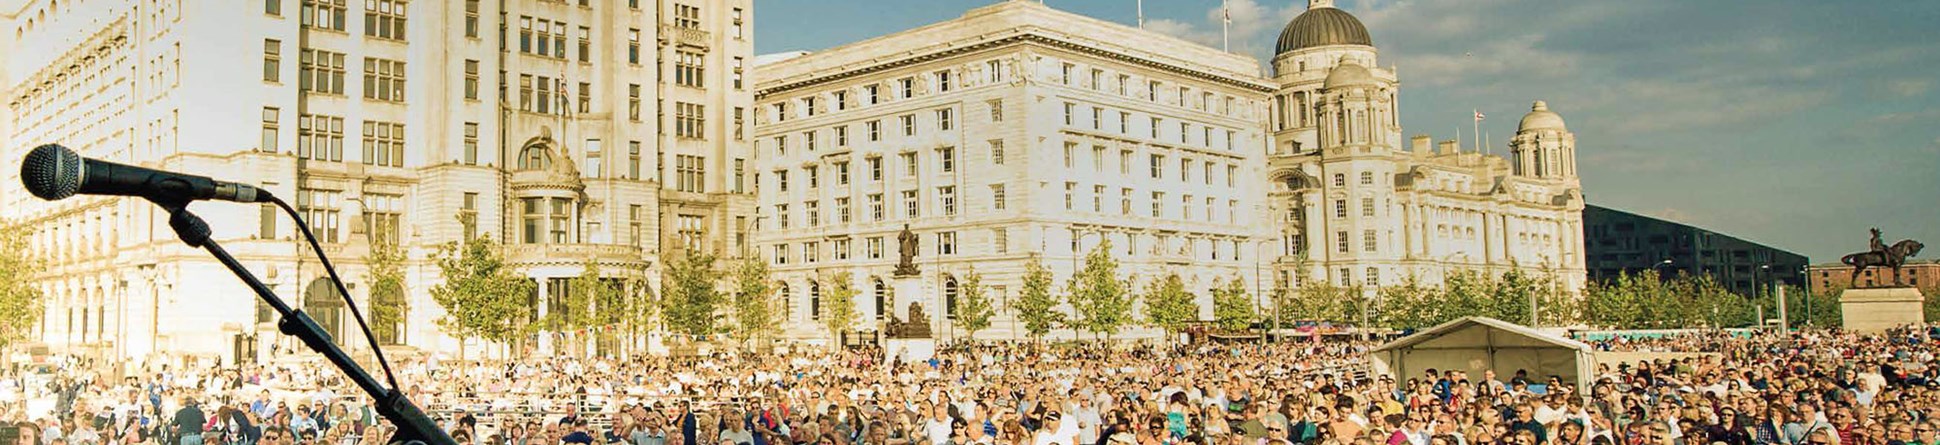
[1477,119]
[1458,139]
[1488,143]
[1225,25]
[1141,14]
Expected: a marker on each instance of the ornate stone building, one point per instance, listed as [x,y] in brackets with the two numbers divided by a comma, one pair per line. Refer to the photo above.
[1015,132]
[1357,204]
[572,131]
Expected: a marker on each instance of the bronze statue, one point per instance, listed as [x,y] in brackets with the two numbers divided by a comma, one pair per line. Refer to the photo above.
[1882,255]
[918,325]
[906,246]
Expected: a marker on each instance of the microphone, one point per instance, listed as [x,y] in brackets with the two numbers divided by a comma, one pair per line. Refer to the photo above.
[53,172]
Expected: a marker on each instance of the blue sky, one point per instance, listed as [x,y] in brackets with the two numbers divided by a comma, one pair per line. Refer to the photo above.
[1794,123]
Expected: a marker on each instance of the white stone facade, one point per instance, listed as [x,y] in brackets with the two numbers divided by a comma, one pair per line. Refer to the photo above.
[1361,206]
[601,131]
[1014,132]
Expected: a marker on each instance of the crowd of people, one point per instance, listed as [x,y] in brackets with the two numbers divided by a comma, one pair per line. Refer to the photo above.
[1819,387]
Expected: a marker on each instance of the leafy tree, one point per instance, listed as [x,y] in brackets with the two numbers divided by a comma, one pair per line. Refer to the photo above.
[388,304]
[975,309]
[1168,305]
[1412,305]
[1098,296]
[754,306]
[838,311]
[1035,306]
[1803,307]
[1319,300]
[688,298]
[20,299]
[482,297]
[593,304]
[1232,307]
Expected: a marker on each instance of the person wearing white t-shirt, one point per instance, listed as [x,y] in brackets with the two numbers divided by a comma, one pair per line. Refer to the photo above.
[1056,431]
[937,428]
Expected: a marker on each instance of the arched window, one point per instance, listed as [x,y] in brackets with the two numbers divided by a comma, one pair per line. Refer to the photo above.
[324,304]
[814,300]
[950,296]
[882,299]
[535,157]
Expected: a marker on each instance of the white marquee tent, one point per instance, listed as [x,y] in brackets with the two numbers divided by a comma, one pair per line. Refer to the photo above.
[1475,344]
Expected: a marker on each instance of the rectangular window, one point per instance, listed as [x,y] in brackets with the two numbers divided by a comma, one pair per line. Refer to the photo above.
[1097,198]
[383,217]
[909,165]
[910,209]
[1125,162]
[633,102]
[875,247]
[384,19]
[1000,241]
[946,243]
[875,131]
[320,138]
[842,210]
[875,207]
[781,180]
[946,197]
[689,120]
[841,249]
[633,46]
[471,79]
[324,14]
[1097,118]
[943,119]
[633,160]
[322,209]
[690,173]
[689,68]
[320,71]
[809,140]
[1070,192]
[471,20]
[1156,122]
[947,159]
[874,93]
[1158,166]
[1125,201]
[1158,204]
[1232,176]
[271,128]
[905,88]
[996,110]
[1098,158]
[840,100]
[1124,123]
[841,136]
[1340,208]
[875,169]
[736,25]
[814,209]
[273,7]
[737,74]
[842,173]
[1340,241]
[814,176]
[781,216]
[471,143]
[942,81]
[687,16]
[811,251]
[997,198]
[384,144]
[740,173]
[1367,241]
[1070,110]
[909,124]
[1367,206]
[272,60]
[781,254]
[543,100]
[585,44]
[740,123]
[585,97]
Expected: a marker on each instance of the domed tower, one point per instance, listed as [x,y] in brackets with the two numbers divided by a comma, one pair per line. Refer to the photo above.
[1310,49]
[1543,147]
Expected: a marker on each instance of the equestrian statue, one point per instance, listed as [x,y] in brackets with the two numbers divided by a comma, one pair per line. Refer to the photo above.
[1882,255]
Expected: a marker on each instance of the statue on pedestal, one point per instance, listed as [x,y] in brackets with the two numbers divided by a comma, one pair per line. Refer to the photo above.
[906,248]
[1882,255]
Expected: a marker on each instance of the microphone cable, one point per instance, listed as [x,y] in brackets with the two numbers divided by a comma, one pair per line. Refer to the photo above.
[341,291]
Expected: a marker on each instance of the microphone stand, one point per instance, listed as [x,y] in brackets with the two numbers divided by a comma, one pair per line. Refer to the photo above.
[413,426]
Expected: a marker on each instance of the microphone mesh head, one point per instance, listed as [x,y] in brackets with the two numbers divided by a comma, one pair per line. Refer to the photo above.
[51,172]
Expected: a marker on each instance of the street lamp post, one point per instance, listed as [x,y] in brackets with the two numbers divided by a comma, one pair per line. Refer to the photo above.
[1258,288]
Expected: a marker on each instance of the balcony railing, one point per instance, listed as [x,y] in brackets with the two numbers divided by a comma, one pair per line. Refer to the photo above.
[694,37]
[570,253]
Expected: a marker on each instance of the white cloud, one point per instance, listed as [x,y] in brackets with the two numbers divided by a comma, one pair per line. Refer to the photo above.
[1909,87]
[1254,29]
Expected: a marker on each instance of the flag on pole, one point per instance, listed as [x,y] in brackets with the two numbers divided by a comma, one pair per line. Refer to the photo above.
[1478,115]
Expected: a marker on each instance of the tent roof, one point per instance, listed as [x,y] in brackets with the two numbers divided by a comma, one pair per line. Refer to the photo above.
[1462,333]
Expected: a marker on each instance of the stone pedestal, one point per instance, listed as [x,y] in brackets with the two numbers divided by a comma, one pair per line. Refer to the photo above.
[910,289]
[908,350]
[1876,310]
